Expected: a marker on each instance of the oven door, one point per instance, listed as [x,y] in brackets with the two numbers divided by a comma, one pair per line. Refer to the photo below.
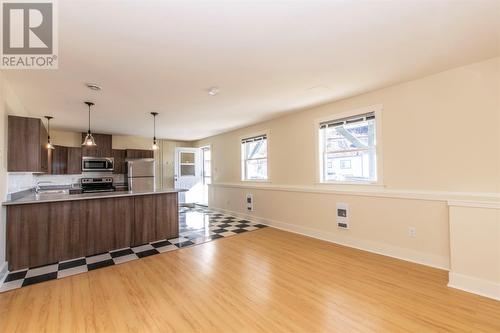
[97,164]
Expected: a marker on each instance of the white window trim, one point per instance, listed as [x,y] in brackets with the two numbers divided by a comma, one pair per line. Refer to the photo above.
[209,146]
[267,133]
[377,109]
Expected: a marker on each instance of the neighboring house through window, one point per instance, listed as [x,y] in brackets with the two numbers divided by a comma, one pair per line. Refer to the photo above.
[348,149]
[254,158]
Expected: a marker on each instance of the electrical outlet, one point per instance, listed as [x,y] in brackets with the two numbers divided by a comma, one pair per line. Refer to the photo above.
[412,232]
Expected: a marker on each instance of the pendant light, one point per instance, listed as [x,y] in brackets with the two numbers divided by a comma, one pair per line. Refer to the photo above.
[89,139]
[49,144]
[155,145]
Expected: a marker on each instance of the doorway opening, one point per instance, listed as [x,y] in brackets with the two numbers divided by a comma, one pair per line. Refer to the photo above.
[206,156]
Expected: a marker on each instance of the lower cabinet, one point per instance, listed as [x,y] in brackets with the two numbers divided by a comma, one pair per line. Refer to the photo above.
[166,219]
[154,218]
[44,233]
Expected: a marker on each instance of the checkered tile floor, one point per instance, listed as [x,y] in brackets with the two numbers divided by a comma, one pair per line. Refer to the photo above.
[196,225]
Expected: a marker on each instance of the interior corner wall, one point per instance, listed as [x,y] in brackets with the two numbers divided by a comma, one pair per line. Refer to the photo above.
[440,134]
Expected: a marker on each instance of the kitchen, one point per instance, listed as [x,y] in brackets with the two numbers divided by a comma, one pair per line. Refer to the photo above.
[70,200]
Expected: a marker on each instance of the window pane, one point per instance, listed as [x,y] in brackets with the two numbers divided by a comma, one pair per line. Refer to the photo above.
[350,166]
[187,157]
[350,136]
[256,169]
[187,170]
[256,149]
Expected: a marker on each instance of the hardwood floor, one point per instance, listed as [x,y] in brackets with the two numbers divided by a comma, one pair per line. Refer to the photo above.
[261,281]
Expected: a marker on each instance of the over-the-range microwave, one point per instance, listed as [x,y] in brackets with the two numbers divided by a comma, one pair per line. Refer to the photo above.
[97,163]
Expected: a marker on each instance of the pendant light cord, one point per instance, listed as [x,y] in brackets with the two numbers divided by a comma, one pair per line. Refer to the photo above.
[89,121]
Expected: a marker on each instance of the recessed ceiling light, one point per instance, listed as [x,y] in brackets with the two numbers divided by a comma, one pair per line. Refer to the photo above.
[212,91]
[93,86]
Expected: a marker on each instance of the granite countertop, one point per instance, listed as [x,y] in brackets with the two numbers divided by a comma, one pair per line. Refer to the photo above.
[34,198]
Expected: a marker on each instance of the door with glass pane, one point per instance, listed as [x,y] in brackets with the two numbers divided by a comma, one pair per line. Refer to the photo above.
[188,174]
[206,172]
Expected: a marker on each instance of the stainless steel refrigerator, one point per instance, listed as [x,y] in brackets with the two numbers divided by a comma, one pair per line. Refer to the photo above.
[141,174]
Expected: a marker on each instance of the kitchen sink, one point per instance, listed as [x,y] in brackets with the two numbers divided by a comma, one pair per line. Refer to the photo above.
[61,191]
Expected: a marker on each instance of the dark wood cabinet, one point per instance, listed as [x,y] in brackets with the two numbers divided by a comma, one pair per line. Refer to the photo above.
[103,148]
[59,160]
[155,219]
[144,228]
[120,165]
[44,233]
[139,153]
[66,160]
[26,145]
[166,219]
[74,160]
[108,223]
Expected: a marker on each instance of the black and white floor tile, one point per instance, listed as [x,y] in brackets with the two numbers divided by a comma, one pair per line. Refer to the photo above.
[196,225]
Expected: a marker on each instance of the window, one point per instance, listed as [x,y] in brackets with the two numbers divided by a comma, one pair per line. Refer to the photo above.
[254,158]
[348,149]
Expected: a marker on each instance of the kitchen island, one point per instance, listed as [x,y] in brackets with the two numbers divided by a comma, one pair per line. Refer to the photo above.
[48,228]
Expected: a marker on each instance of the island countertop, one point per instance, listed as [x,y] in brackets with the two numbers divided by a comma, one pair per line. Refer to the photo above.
[33,198]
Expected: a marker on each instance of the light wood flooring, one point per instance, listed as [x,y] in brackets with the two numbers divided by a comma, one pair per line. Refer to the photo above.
[261,281]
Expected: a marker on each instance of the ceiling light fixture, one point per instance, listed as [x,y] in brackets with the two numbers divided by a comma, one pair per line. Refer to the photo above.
[155,145]
[89,139]
[93,86]
[213,91]
[49,144]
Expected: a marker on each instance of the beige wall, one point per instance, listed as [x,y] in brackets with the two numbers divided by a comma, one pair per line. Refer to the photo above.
[440,137]
[475,249]
[438,133]
[376,224]
[74,139]
[131,142]
[65,138]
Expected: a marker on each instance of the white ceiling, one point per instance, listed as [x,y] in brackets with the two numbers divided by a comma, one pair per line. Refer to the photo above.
[267,57]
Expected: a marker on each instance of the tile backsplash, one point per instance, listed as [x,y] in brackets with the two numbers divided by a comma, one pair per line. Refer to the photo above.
[20,181]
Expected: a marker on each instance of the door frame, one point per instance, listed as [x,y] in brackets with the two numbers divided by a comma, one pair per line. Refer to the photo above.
[177,168]
[209,146]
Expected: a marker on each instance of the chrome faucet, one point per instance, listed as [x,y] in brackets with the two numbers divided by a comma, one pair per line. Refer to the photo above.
[37,185]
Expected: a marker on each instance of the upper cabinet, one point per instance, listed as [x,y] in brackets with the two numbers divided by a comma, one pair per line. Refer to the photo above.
[139,153]
[27,151]
[120,165]
[103,148]
[66,160]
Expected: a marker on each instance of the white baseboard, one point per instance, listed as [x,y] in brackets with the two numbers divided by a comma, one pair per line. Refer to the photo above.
[3,271]
[474,285]
[361,244]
